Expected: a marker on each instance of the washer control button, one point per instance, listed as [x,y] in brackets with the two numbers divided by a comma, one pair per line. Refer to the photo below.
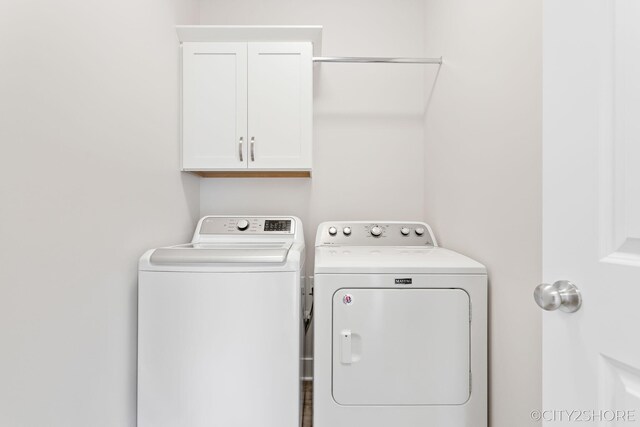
[242,224]
[333,231]
[376,231]
[419,231]
[405,231]
[346,231]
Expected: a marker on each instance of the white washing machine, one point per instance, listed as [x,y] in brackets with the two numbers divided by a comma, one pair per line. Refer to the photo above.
[220,326]
[400,329]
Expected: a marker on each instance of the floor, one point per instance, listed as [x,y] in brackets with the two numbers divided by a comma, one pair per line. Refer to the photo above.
[307,409]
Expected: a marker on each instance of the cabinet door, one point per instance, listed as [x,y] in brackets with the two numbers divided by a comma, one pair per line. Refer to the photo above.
[214,106]
[280,106]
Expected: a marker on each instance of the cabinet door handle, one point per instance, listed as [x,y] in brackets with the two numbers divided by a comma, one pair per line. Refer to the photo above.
[240,148]
[253,145]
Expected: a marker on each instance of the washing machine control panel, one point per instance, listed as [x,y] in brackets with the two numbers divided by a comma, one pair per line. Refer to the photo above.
[363,233]
[247,225]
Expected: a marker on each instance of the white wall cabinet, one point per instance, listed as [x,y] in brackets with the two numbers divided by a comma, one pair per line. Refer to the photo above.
[247,106]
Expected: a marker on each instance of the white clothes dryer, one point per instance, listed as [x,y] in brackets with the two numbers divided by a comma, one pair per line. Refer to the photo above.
[400,329]
[220,326]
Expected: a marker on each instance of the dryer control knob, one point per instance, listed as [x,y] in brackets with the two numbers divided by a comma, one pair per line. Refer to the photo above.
[405,231]
[333,231]
[346,231]
[419,231]
[242,224]
[376,231]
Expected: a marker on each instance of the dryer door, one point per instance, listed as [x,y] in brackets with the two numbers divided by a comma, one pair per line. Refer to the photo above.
[401,347]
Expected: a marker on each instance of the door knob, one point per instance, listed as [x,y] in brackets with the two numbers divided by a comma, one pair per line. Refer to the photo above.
[562,295]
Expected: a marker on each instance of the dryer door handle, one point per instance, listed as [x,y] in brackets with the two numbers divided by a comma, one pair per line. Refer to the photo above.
[345,347]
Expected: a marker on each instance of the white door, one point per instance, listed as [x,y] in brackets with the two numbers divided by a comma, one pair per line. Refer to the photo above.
[591,210]
[401,347]
[280,105]
[214,100]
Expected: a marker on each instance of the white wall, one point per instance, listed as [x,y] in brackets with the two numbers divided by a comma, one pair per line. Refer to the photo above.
[483,174]
[88,180]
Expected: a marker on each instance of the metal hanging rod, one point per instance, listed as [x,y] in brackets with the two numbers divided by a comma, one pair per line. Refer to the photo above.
[374,60]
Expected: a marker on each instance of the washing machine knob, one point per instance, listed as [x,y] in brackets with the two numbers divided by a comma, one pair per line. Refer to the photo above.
[242,224]
[405,231]
[419,231]
[333,231]
[346,231]
[376,231]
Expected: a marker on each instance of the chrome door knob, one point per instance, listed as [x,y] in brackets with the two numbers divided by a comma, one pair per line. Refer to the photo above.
[562,295]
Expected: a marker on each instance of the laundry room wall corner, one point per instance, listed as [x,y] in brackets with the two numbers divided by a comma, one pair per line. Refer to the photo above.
[483,175]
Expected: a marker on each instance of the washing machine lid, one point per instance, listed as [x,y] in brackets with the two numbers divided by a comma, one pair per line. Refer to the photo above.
[239,244]
[229,252]
[393,259]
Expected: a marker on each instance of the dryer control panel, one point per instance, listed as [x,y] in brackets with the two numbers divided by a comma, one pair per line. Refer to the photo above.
[375,233]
